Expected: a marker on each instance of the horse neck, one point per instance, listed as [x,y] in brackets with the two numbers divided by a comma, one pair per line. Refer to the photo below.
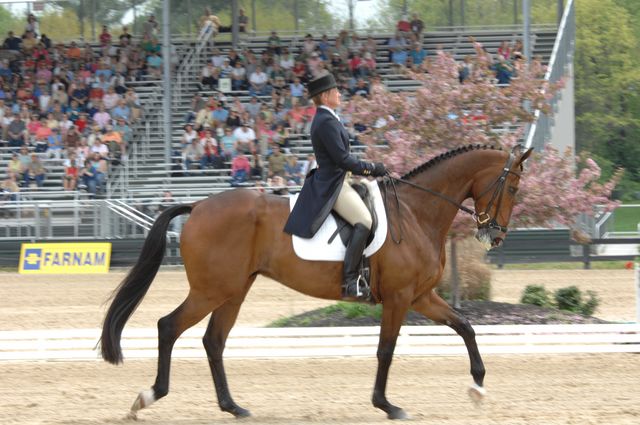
[452,178]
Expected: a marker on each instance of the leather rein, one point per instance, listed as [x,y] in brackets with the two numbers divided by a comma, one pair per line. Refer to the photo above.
[483,219]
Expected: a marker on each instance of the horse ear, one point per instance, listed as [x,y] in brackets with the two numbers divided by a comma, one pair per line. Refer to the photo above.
[524,156]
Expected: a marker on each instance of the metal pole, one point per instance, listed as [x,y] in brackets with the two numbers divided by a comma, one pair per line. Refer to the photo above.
[135,18]
[93,20]
[234,24]
[253,15]
[189,17]
[295,15]
[81,19]
[560,10]
[166,80]
[451,13]
[526,14]
[351,26]
[515,12]
[462,13]
[404,7]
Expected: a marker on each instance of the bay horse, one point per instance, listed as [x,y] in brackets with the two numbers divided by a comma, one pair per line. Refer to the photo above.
[232,237]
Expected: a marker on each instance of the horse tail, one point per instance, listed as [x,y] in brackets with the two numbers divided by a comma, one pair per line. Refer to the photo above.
[128,295]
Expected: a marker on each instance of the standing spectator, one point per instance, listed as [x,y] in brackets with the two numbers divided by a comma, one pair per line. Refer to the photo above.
[274,43]
[417,26]
[240,170]
[243,21]
[309,45]
[32,25]
[105,36]
[150,27]
[125,37]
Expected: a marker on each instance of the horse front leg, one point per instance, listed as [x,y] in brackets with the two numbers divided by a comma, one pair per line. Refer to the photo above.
[393,314]
[435,308]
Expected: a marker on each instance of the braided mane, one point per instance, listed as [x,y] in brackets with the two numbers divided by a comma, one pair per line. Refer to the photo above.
[449,154]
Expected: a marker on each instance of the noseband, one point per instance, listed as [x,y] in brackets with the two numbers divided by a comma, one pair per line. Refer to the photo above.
[483,219]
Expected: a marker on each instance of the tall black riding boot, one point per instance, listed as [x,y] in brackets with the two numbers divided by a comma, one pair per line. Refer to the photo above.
[354,286]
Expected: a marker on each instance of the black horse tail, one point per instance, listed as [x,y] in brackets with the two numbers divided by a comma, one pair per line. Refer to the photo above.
[128,295]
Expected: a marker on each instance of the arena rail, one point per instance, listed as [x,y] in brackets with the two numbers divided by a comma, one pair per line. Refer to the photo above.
[141,343]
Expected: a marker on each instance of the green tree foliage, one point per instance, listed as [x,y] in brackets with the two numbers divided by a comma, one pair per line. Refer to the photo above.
[608,85]
[9,22]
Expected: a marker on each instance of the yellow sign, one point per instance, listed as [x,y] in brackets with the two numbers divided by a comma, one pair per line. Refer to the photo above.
[65,258]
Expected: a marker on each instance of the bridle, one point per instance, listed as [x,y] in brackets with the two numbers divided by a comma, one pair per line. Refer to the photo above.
[483,219]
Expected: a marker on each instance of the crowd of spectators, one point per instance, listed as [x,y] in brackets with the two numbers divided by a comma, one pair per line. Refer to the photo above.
[71,103]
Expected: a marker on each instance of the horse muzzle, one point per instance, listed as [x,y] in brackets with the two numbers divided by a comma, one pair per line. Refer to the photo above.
[490,237]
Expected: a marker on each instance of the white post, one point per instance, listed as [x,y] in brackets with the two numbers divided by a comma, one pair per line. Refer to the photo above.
[637,274]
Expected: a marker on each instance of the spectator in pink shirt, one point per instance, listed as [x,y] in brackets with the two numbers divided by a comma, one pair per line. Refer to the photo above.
[102,117]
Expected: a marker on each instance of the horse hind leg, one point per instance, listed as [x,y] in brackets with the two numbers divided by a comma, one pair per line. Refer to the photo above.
[193,309]
[220,324]
[437,309]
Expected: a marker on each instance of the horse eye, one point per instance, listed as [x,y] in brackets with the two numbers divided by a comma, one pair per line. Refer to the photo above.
[513,190]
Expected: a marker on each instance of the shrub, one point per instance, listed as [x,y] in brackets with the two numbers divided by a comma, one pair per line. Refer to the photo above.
[536,295]
[570,299]
[474,273]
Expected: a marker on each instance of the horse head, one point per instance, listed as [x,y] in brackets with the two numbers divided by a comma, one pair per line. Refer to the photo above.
[494,194]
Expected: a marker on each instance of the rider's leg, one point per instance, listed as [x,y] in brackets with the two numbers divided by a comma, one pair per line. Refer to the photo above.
[351,207]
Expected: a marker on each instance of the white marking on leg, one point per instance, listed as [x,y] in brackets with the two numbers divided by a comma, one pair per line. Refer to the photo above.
[145,399]
[477,393]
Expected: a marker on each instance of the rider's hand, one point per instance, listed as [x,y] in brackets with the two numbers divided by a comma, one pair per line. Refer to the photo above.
[378,170]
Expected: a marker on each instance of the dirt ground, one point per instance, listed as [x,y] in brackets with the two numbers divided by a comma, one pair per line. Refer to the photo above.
[529,389]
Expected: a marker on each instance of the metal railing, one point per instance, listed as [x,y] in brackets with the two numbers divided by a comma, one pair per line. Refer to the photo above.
[561,57]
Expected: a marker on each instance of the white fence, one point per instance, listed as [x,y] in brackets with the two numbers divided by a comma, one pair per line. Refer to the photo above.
[80,344]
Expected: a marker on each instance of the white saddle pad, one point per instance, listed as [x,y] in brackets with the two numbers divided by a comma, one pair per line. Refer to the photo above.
[318,247]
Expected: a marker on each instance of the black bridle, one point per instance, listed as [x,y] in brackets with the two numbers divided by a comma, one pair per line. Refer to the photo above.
[483,219]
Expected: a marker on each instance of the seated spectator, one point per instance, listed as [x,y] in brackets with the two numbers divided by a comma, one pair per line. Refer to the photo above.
[71,139]
[417,54]
[276,162]
[209,76]
[154,65]
[293,171]
[217,58]
[193,154]
[125,37]
[17,132]
[504,71]
[233,120]
[245,138]
[121,110]
[188,136]
[55,144]
[309,45]
[504,50]
[110,98]
[213,157]
[35,172]
[465,69]
[360,89]
[396,43]
[116,147]
[102,118]
[29,43]
[253,108]
[300,70]
[226,69]
[9,190]
[259,83]
[91,176]
[71,171]
[219,115]
[240,170]
[12,42]
[228,144]
[132,101]
[277,77]
[286,62]
[297,88]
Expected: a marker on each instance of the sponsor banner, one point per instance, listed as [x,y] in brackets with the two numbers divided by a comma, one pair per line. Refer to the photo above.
[65,258]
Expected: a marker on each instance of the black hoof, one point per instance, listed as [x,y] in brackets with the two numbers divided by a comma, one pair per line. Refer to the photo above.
[236,411]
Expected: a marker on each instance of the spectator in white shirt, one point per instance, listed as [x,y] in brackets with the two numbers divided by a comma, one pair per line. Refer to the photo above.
[259,83]
[245,138]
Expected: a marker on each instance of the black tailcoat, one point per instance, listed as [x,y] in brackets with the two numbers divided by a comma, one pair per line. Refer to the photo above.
[321,188]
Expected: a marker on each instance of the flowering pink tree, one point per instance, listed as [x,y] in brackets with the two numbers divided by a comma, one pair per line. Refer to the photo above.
[444,114]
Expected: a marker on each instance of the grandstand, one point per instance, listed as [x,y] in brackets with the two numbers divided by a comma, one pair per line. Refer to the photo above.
[50,212]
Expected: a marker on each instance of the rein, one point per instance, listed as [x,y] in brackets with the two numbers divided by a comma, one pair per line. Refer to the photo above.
[483,219]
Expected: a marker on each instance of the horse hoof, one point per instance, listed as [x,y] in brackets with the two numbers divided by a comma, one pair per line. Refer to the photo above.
[241,413]
[398,414]
[477,394]
[131,416]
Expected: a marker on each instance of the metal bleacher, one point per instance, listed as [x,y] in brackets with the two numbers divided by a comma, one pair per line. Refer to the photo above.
[149,171]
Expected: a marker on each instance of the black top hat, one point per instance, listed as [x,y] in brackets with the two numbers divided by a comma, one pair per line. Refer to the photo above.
[321,84]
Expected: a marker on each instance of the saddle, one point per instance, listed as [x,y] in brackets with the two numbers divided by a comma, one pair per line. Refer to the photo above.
[344,228]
